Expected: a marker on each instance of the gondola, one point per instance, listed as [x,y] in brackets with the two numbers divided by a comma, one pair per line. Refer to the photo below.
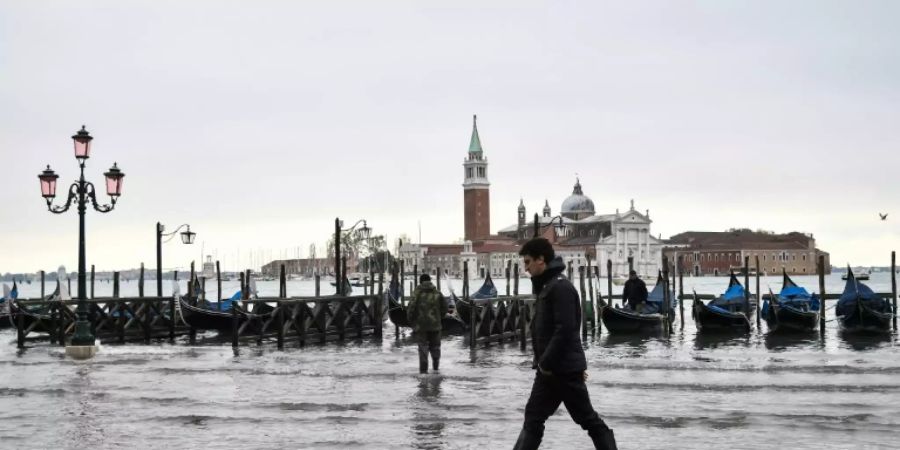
[396,311]
[792,310]
[859,310]
[464,308]
[9,296]
[728,313]
[204,315]
[348,286]
[37,319]
[624,320]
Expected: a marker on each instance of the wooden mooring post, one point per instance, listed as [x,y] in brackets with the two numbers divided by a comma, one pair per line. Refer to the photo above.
[279,317]
[609,283]
[218,286]
[591,304]
[583,305]
[508,275]
[318,285]
[42,284]
[747,289]
[667,301]
[379,314]
[894,286]
[141,282]
[599,303]
[516,279]
[473,329]
[820,268]
[758,294]
[681,290]
[92,282]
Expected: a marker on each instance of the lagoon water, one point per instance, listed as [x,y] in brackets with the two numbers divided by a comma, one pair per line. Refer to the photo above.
[681,392]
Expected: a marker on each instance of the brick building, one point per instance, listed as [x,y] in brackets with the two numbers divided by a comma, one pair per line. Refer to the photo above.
[719,253]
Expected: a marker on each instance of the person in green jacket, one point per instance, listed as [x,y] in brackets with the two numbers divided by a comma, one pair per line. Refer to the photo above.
[425,312]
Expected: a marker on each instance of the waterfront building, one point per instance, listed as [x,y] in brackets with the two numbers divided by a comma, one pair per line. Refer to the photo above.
[720,253]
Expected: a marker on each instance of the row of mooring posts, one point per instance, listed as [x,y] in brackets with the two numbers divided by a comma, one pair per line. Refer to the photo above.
[311,319]
[485,330]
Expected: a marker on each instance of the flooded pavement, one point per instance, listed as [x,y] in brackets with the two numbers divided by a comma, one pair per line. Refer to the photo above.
[684,391]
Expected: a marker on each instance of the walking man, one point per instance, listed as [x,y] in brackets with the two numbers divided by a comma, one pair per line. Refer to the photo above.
[425,311]
[635,292]
[558,355]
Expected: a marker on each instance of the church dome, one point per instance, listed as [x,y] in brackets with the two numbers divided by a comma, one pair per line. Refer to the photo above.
[577,205]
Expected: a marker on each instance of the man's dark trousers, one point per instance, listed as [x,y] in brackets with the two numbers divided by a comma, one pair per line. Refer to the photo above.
[429,342]
[547,393]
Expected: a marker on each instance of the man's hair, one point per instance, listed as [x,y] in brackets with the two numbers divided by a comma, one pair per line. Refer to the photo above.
[424,277]
[632,272]
[538,247]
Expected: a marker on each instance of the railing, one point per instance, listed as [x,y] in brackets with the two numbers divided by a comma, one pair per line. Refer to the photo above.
[113,319]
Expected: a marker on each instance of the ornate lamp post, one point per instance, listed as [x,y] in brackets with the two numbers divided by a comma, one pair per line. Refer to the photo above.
[81,191]
[363,233]
[187,237]
[559,228]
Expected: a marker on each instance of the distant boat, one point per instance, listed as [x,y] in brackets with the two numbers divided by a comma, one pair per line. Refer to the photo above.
[863,275]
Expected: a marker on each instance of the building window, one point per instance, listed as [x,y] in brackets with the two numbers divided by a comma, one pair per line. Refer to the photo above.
[468,172]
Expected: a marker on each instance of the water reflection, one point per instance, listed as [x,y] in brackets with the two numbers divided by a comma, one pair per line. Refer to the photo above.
[428,415]
[862,341]
[793,341]
[709,341]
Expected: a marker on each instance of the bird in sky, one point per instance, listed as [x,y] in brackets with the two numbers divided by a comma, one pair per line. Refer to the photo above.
[883,216]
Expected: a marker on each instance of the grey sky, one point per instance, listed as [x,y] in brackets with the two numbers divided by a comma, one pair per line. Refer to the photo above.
[259,122]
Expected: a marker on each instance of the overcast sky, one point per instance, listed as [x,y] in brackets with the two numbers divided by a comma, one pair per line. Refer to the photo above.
[259,122]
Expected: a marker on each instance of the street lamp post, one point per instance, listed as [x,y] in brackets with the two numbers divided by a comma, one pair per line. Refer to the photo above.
[560,228]
[187,237]
[81,191]
[363,233]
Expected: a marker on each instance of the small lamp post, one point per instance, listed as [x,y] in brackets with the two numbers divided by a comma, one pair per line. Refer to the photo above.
[80,192]
[187,237]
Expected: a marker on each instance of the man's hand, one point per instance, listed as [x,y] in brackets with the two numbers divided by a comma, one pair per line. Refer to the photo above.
[584,375]
[543,371]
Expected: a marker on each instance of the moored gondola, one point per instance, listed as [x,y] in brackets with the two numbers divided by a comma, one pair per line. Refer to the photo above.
[204,315]
[860,310]
[730,312]
[793,309]
[464,308]
[9,296]
[36,319]
[650,319]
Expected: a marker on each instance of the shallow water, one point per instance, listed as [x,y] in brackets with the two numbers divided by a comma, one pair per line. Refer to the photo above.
[683,392]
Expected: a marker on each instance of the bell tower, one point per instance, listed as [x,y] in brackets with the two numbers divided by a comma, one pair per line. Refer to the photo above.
[476,189]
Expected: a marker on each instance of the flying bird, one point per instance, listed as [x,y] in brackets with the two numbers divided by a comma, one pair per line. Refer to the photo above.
[883,216]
